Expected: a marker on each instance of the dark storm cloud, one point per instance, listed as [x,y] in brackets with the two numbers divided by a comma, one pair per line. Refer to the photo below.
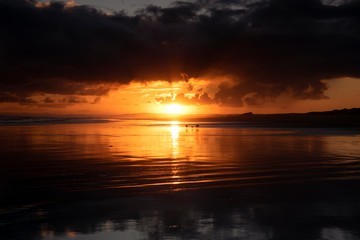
[266,47]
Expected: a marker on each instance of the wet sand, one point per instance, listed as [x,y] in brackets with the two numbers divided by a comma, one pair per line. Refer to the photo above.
[159,180]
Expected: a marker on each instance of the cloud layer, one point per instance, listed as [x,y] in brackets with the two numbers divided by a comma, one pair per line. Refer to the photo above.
[265,47]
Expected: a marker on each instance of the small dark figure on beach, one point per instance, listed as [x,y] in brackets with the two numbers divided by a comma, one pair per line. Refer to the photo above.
[192,125]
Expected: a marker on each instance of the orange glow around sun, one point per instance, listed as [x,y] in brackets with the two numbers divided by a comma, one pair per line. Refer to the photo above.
[173,109]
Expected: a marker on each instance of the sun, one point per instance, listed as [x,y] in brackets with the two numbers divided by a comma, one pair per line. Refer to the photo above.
[173,108]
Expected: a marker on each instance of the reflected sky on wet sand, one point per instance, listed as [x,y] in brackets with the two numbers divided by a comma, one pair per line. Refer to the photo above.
[162,180]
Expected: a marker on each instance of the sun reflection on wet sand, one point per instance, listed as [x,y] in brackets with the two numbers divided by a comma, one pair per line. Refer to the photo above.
[175,129]
[141,154]
[124,159]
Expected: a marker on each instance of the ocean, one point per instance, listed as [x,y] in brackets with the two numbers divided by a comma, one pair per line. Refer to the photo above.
[63,178]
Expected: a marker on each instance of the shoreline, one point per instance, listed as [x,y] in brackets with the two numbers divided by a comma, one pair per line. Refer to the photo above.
[345,118]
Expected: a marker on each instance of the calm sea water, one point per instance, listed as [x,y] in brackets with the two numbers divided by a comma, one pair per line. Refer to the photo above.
[161,180]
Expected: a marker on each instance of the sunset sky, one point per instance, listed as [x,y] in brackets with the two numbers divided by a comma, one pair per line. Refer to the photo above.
[108,57]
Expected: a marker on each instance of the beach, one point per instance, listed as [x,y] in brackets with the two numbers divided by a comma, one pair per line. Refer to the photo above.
[146,179]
